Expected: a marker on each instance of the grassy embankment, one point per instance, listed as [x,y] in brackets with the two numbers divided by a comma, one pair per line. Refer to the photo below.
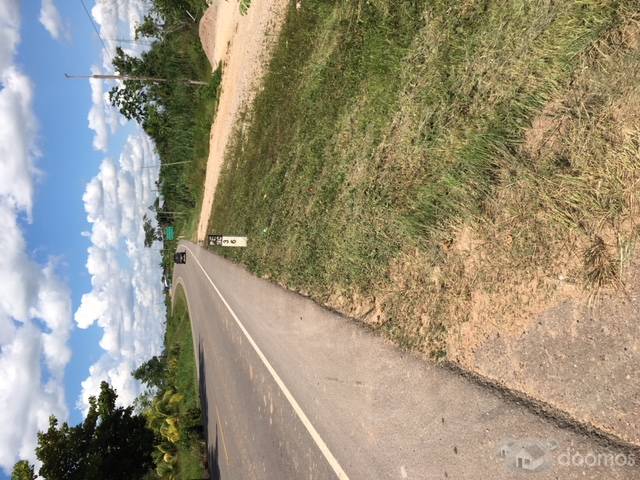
[422,165]
[182,378]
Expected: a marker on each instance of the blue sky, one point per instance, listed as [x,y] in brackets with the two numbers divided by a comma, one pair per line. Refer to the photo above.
[68,161]
[82,300]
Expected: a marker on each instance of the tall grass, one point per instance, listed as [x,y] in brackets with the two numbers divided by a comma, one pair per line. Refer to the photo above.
[384,128]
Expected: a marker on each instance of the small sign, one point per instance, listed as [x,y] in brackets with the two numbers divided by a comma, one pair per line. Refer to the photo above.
[169,233]
[227,241]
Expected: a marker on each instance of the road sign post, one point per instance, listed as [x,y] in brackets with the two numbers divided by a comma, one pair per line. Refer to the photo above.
[227,241]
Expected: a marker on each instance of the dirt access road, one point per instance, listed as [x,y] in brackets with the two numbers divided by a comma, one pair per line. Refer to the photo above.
[241,43]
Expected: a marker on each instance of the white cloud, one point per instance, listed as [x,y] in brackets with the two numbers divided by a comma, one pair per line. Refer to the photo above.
[91,308]
[115,19]
[17,139]
[26,402]
[126,300]
[52,21]
[35,324]
[9,31]
[103,118]
[35,306]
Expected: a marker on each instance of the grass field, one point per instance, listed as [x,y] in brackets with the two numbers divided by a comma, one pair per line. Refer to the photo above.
[426,165]
[183,377]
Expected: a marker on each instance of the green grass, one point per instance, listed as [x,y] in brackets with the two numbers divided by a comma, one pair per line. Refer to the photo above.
[179,345]
[384,129]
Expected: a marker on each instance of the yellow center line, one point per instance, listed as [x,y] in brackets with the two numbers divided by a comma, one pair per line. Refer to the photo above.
[224,444]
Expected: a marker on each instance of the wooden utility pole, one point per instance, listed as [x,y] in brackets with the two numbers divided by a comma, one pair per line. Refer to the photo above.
[99,76]
[165,164]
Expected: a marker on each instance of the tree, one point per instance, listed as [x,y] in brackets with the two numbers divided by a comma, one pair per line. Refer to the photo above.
[152,372]
[149,27]
[150,233]
[23,471]
[132,98]
[112,443]
[131,101]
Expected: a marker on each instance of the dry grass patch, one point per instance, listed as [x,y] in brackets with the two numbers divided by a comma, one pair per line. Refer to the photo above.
[561,223]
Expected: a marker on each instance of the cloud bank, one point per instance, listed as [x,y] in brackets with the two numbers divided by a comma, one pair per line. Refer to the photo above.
[126,299]
[35,305]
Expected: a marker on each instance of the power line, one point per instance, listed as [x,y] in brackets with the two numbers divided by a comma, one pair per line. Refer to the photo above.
[95,27]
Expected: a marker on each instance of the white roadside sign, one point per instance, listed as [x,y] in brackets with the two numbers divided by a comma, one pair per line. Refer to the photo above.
[227,241]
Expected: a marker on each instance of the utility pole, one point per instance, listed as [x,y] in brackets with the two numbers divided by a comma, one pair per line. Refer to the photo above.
[131,40]
[165,164]
[99,76]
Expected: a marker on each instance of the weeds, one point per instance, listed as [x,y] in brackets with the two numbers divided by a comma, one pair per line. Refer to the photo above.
[470,141]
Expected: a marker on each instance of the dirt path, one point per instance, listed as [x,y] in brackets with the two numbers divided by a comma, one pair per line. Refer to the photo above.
[241,43]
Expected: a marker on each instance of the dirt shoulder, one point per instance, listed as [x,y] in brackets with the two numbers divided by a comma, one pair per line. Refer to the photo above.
[241,43]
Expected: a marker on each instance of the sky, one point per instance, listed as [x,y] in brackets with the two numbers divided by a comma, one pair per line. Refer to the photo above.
[81,298]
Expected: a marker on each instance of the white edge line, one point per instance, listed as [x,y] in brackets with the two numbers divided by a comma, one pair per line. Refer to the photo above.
[333,462]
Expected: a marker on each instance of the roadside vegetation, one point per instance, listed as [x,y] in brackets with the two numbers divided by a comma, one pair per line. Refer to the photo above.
[424,166]
[160,438]
[171,404]
[111,443]
[173,96]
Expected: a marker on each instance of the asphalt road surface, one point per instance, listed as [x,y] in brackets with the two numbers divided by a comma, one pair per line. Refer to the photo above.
[293,391]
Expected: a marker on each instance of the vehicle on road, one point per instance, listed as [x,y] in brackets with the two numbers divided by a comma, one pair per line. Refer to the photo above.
[180,257]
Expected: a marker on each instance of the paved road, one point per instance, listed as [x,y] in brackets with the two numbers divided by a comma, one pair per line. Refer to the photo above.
[292,391]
